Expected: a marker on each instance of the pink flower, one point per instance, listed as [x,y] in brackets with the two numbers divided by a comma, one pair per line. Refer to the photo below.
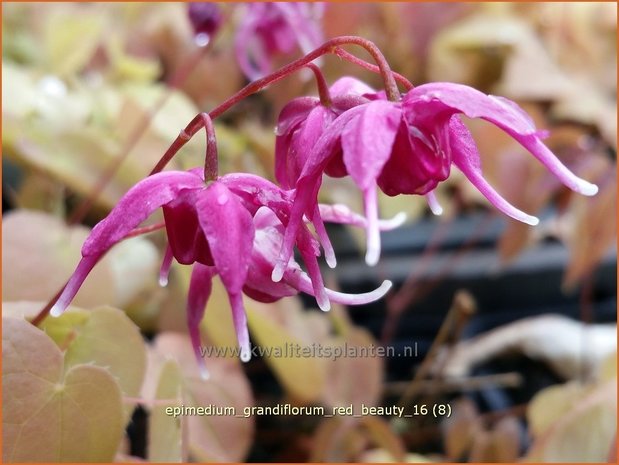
[303,120]
[205,19]
[270,28]
[300,125]
[408,147]
[231,227]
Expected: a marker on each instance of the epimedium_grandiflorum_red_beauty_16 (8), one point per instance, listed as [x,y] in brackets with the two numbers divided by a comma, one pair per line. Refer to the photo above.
[244,228]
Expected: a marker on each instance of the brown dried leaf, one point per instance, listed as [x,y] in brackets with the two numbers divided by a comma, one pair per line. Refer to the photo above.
[337,439]
[582,430]
[460,429]
[593,230]
[354,379]
[382,436]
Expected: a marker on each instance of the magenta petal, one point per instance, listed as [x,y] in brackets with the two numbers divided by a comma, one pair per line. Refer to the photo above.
[303,21]
[306,191]
[197,297]
[292,152]
[229,229]
[290,236]
[429,100]
[321,232]
[350,85]
[466,158]
[367,141]
[84,267]
[136,205]
[313,270]
[294,112]
[166,263]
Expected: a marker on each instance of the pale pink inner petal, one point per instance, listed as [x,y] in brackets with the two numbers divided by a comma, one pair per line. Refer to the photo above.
[240,325]
[300,280]
[341,214]
[433,203]
[372,230]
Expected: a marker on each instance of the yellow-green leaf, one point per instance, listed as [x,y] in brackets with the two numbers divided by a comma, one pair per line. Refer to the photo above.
[165,433]
[50,415]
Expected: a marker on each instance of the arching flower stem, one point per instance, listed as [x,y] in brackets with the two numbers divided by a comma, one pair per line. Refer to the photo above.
[330,46]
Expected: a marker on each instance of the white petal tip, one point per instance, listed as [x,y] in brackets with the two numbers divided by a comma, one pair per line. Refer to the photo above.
[437,210]
[371,257]
[395,222]
[163,282]
[245,356]
[588,189]
[56,311]
[277,274]
[399,219]
[325,306]
[331,261]
[531,220]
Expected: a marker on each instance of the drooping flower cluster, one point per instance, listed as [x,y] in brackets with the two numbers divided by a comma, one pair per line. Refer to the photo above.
[271,28]
[403,147]
[244,228]
[231,227]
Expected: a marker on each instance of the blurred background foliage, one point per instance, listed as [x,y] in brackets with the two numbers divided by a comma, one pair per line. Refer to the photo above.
[93,94]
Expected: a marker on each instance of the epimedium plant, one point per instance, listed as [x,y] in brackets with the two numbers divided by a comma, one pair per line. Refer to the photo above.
[244,228]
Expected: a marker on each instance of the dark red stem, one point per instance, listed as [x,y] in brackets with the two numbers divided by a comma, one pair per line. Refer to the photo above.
[340,52]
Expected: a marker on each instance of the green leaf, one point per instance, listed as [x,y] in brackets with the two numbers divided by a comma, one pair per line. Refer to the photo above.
[50,415]
[165,433]
[109,339]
